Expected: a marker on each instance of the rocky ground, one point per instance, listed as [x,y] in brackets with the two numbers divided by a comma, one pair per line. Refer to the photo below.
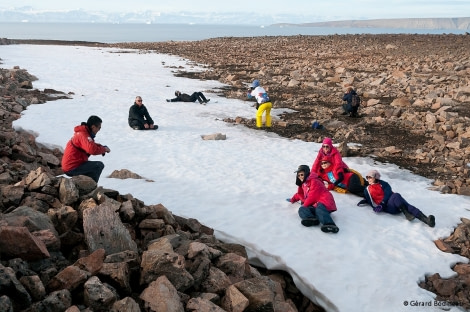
[415,91]
[415,114]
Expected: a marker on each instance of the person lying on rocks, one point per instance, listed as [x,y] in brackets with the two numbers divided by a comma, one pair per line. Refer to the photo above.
[349,181]
[380,196]
[316,201]
[139,118]
[183,97]
[79,148]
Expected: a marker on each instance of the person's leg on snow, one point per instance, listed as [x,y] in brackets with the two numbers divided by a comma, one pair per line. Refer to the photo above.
[259,116]
[307,214]
[269,105]
[265,107]
[355,186]
[409,210]
[396,200]
[136,125]
[195,97]
[323,215]
[202,97]
[431,220]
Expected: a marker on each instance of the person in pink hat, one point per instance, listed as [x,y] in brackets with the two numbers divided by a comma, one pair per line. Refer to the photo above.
[379,195]
[327,149]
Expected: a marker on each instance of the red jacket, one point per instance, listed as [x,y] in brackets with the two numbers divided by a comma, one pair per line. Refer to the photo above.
[337,162]
[330,176]
[79,148]
[312,192]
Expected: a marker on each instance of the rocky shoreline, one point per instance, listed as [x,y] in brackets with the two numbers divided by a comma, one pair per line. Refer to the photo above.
[415,114]
[58,251]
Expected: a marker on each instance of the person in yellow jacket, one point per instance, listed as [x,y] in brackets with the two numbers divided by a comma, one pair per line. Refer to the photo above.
[263,103]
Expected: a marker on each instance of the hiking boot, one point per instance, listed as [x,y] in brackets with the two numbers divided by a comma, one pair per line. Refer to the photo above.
[344,113]
[431,220]
[329,228]
[206,101]
[407,214]
[310,222]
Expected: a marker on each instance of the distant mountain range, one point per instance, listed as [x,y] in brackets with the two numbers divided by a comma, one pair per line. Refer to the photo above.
[460,23]
[30,14]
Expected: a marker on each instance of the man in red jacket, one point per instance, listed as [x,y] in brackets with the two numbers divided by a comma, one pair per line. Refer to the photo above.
[80,147]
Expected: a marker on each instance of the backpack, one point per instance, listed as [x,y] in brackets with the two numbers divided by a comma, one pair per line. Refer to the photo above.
[356,100]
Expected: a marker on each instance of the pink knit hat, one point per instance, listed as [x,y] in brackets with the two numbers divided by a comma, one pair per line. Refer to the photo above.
[373,173]
[327,141]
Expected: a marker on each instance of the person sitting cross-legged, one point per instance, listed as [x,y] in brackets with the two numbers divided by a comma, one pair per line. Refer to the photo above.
[139,118]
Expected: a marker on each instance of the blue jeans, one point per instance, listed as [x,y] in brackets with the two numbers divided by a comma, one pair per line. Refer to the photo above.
[319,212]
[91,169]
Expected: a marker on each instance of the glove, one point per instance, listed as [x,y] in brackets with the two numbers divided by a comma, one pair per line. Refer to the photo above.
[378,208]
[167,100]
[288,199]
[362,202]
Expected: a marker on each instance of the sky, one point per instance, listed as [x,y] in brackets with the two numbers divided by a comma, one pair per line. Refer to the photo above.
[239,186]
[323,10]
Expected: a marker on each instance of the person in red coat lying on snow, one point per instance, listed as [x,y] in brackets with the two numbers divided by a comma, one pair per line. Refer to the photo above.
[317,202]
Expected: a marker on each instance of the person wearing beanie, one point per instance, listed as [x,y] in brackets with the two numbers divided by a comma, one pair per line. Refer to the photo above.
[342,182]
[183,97]
[79,148]
[263,103]
[317,203]
[380,196]
[327,149]
[352,102]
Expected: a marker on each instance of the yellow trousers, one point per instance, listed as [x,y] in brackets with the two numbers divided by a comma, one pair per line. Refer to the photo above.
[259,114]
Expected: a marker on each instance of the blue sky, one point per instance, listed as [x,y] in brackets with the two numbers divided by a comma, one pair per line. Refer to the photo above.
[318,10]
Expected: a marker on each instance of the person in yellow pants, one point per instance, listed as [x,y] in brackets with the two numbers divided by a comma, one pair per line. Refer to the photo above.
[263,103]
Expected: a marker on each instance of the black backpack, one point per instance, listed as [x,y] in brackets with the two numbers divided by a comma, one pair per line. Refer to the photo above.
[356,100]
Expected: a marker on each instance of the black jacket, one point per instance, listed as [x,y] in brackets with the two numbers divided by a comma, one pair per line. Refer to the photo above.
[183,97]
[139,116]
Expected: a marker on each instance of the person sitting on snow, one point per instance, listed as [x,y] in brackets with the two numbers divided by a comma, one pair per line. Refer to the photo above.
[183,97]
[327,149]
[316,201]
[342,181]
[139,118]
